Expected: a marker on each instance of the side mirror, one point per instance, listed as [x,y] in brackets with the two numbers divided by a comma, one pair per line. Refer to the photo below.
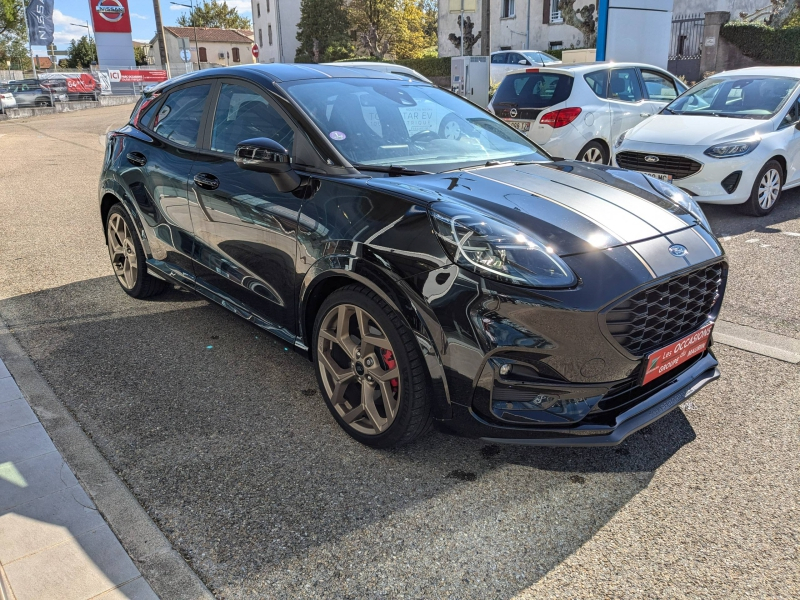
[524,62]
[268,156]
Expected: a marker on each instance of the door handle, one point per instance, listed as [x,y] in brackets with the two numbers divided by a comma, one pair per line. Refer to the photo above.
[206,181]
[137,158]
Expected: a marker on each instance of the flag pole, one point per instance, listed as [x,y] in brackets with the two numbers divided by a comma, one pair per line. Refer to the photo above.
[30,45]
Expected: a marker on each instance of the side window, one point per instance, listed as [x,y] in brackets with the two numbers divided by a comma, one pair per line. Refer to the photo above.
[178,118]
[598,81]
[243,114]
[658,86]
[499,59]
[514,58]
[624,85]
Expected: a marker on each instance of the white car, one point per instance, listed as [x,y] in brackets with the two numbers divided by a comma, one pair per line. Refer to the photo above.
[506,61]
[7,99]
[731,139]
[383,68]
[577,111]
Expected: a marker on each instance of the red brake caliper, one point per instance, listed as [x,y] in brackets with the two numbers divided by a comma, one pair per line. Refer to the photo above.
[391,363]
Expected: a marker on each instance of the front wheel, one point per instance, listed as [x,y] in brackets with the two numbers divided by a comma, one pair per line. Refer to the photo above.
[370,369]
[766,190]
[594,152]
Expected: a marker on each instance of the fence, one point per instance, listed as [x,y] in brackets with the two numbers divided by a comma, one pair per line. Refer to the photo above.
[686,46]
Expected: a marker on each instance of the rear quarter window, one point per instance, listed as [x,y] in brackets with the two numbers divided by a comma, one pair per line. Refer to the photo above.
[598,82]
[534,90]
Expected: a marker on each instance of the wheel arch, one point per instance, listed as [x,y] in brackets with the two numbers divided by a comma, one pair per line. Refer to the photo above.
[597,140]
[781,160]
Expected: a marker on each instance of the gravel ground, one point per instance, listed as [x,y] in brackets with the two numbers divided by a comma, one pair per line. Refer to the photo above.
[233,454]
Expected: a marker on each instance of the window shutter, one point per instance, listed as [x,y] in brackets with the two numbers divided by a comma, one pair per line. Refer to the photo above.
[546,10]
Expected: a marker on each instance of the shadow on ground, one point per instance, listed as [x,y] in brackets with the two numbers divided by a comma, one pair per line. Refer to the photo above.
[728,220]
[220,432]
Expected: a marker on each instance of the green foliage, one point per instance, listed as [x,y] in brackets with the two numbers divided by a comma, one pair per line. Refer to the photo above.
[763,43]
[139,55]
[430,66]
[555,53]
[14,48]
[214,14]
[326,22]
[12,17]
[81,53]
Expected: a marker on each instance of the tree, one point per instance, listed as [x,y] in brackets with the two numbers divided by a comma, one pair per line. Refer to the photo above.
[14,48]
[375,23]
[411,39]
[12,17]
[323,31]
[584,20]
[82,53]
[214,14]
[139,55]
[470,39]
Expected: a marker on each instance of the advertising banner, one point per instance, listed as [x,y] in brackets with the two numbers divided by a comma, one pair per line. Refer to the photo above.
[39,15]
[136,76]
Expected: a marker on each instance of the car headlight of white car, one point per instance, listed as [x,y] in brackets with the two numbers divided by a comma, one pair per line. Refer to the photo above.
[731,149]
[619,140]
[681,198]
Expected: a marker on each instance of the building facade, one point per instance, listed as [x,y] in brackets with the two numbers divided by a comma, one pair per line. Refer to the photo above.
[275,29]
[215,47]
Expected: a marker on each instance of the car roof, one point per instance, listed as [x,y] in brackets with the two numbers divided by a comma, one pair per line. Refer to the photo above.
[378,66]
[294,71]
[793,72]
[524,50]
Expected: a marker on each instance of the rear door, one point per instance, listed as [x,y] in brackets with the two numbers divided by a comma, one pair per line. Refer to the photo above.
[626,100]
[245,229]
[157,175]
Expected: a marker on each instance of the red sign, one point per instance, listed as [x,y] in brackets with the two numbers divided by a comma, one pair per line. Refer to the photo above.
[666,359]
[136,76]
[255,50]
[82,83]
[110,16]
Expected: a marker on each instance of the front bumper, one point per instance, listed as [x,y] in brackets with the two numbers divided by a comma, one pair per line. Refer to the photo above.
[706,184]
[646,410]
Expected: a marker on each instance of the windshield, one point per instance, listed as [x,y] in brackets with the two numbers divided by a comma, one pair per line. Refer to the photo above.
[540,57]
[739,97]
[385,123]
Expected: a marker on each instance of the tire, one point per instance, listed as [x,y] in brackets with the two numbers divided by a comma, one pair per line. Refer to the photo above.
[450,128]
[389,411]
[766,192]
[43,102]
[594,152]
[124,248]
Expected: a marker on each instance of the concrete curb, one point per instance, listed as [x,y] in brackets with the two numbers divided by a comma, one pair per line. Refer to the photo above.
[167,572]
[757,341]
[62,107]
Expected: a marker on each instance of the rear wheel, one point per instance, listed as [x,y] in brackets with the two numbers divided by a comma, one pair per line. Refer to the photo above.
[766,190]
[594,152]
[370,369]
[127,256]
[43,102]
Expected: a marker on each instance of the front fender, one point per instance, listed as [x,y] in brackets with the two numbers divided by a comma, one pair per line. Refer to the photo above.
[334,271]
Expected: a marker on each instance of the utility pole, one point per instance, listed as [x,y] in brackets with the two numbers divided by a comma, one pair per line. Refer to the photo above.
[486,46]
[162,43]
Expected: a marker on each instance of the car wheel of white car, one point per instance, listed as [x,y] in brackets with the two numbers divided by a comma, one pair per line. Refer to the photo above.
[594,152]
[450,128]
[766,190]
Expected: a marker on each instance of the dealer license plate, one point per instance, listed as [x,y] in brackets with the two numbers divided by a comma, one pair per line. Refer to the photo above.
[520,125]
[661,176]
[665,360]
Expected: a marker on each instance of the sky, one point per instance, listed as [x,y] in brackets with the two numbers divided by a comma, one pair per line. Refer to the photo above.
[143,22]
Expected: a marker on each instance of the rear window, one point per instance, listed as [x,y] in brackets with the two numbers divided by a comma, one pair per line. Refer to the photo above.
[534,90]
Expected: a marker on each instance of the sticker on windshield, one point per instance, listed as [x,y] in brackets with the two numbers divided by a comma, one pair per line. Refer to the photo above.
[337,135]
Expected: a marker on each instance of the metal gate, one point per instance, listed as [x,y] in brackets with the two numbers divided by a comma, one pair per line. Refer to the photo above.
[686,46]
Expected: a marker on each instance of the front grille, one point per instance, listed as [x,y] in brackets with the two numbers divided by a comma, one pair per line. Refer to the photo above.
[677,166]
[664,313]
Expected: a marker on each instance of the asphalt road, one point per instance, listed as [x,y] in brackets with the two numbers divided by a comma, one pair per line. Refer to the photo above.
[232,452]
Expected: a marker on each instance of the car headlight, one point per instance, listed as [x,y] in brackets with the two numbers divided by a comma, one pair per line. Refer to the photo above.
[620,139]
[731,149]
[498,251]
[681,198]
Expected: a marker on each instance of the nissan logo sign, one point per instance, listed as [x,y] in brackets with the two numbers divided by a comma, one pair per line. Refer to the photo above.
[651,159]
[110,10]
[513,112]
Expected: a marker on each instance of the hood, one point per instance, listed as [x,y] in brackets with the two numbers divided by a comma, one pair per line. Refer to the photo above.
[686,130]
[574,207]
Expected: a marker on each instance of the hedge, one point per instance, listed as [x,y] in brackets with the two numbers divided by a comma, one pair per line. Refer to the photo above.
[429,67]
[763,43]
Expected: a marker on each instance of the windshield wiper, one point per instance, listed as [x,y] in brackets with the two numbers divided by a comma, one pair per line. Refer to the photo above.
[392,170]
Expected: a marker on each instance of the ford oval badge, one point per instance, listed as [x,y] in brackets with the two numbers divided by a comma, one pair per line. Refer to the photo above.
[651,159]
[678,250]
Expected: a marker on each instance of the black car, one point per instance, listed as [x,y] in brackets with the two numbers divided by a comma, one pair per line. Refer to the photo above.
[433,263]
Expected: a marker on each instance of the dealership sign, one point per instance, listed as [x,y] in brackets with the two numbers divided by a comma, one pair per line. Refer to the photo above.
[111,16]
[136,76]
[111,20]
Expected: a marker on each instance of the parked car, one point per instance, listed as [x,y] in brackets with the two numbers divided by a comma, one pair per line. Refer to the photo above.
[732,139]
[506,61]
[31,92]
[383,68]
[578,110]
[470,281]
[7,99]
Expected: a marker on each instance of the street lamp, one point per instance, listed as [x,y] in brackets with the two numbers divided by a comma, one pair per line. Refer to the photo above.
[190,6]
[86,26]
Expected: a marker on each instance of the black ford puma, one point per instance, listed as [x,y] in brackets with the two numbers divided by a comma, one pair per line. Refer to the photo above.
[433,263]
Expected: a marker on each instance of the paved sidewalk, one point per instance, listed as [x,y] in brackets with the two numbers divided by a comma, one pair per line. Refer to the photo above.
[53,541]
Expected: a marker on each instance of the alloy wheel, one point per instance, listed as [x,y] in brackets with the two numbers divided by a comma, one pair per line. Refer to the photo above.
[359,369]
[769,188]
[593,155]
[452,130]
[122,251]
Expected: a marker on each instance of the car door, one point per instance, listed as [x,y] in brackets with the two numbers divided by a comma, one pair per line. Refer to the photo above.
[245,229]
[23,95]
[625,100]
[790,139]
[498,68]
[157,175]
[659,89]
